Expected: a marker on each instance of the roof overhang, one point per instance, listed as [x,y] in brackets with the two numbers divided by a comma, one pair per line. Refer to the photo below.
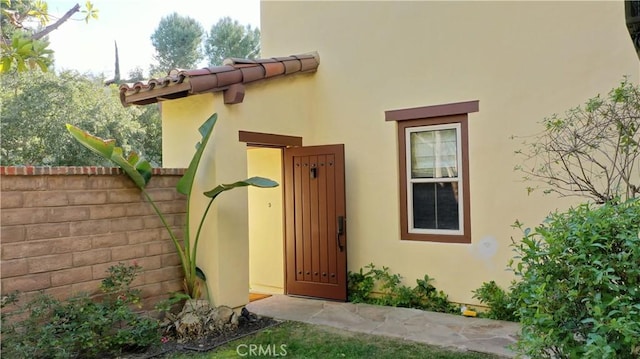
[229,78]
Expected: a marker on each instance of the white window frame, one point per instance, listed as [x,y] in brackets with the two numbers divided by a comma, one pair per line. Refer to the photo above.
[458,179]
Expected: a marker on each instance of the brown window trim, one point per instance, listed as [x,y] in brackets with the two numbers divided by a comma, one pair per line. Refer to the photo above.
[428,116]
[447,109]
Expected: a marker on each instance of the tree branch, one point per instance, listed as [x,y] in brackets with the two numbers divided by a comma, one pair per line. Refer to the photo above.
[55,25]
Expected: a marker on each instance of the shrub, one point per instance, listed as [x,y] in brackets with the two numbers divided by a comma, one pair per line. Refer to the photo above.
[360,285]
[392,293]
[502,304]
[427,297]
[82,327]
[580,289]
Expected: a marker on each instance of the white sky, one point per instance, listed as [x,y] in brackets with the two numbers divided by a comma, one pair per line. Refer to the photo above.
[89,47]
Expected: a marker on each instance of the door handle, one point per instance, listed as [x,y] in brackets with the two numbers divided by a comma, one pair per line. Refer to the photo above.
[340,232]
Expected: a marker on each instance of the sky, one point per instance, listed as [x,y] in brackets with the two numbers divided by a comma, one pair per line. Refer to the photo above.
[89,47]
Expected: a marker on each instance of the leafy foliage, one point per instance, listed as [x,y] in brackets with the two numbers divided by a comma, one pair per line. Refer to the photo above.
[360,285]
[424,295]
[503,305]
[227,38]
[139,171]
[24,53]
[81,327]
[23,43]
[591,151]
[580,290]
[177,41]
[36,105]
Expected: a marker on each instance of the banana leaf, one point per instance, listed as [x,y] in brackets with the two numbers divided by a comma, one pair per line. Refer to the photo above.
[139,170]
[253,181]
[185,184]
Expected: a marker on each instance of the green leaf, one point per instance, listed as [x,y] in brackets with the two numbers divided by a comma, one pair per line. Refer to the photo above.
[138,170]
[185,184]
[43,66]
[101,147]
[6,64]
[253,181]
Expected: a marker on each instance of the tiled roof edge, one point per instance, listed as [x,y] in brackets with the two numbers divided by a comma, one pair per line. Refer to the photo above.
[181,83]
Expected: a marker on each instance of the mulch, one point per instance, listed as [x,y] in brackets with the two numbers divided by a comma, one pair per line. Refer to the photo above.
[171,348]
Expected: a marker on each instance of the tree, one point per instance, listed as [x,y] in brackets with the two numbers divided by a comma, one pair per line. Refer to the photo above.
[116,68]
[177,42]
[136,74]
[591,151]
[24,47]
[36,106]
[227,38]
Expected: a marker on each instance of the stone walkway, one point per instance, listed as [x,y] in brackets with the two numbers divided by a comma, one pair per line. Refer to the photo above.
[446,330]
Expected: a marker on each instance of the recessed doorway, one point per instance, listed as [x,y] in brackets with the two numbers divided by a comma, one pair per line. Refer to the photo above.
[266,228]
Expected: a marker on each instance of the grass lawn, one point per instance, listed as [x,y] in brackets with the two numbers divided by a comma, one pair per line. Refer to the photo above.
[299,340]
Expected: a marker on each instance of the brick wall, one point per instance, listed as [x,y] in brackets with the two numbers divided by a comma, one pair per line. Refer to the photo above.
[62,227]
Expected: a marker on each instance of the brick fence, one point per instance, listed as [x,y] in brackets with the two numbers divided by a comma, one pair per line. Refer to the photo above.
[62,227]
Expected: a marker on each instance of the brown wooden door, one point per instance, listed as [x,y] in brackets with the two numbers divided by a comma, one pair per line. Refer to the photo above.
[315,216]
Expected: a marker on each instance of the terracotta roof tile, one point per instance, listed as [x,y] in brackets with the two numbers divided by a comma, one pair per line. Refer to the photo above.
[273,68]
[254,73]
[292,66]
[197,72]
[228,78]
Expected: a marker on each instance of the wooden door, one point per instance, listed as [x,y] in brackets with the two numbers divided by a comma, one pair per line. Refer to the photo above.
[315,222]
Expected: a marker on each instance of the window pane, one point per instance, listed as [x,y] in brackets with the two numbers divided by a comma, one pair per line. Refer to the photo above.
[435,205]
[434,154]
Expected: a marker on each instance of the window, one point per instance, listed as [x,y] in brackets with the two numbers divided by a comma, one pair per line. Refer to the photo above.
[433,178]
[434,172]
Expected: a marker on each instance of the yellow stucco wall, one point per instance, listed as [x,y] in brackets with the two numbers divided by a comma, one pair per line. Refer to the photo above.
[223,247]
[282,108]
[522,60]
[266,241]
[181,120]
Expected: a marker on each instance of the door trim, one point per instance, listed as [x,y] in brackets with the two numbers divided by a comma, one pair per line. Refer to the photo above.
[260,139]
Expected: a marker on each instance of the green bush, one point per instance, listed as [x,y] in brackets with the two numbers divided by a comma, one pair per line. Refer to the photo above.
[392,293]
[81,327]
[360,285]
[580,289]
[502,304]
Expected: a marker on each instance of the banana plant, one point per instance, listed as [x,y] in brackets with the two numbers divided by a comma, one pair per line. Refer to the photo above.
[139,171]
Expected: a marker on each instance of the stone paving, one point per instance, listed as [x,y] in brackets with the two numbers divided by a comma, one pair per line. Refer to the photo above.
[446,330]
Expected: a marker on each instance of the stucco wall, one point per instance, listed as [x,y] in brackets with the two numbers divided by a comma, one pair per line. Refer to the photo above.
[279,106]
[522,61]
[266,262]
[62,227]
